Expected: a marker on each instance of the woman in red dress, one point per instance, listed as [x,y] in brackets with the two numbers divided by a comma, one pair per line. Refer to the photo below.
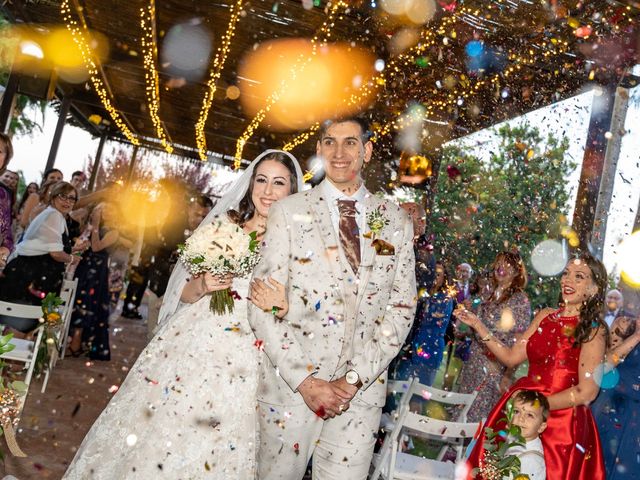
[565,348]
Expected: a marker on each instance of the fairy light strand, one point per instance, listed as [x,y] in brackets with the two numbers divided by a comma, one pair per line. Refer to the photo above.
[302,60]
[214,75]
[150,60]
[78,29]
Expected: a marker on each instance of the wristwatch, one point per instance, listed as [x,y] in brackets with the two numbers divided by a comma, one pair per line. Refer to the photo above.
[353,378]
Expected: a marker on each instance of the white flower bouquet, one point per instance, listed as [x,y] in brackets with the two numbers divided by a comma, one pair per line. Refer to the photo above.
[220,248]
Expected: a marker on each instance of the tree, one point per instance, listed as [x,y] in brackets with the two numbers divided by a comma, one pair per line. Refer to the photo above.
[514,200]
[192,172]
[116,168]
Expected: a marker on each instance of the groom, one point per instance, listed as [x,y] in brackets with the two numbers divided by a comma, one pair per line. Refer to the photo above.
[346,260]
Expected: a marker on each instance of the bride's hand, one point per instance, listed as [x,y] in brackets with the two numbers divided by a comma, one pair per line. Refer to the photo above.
[210,283]
[269,296]
[200,285]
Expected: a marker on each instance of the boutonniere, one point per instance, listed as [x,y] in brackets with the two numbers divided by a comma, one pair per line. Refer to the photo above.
[376,221]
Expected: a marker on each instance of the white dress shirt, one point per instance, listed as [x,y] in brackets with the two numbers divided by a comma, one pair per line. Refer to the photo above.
[332,194]
[610,316]
[531,459]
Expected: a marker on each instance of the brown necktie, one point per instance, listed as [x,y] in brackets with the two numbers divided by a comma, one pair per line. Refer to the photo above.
[349,233]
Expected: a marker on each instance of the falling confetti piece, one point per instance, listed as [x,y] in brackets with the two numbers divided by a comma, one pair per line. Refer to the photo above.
[132,439]
[113,389]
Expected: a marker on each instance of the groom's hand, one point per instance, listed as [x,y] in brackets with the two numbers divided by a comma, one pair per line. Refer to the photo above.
[323,398]
[344,390]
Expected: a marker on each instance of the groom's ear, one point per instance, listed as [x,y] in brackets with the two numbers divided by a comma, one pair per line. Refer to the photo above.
[368,151]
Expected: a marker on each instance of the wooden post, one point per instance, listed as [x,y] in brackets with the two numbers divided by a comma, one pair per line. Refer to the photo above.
[593,163]
[96,162]
[8,102]
[55,143]
[132,165]
[612,154]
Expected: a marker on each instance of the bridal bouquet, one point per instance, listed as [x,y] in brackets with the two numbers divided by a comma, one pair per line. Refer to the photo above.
[220,248]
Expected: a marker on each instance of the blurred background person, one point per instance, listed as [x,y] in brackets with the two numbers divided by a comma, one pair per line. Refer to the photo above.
[617,408]
[29,189]
[613,306]
[425,261]
[90,318]
[52,175]
[40,258]
[165,257]
[506,313]
[427,336]
[6,218]
[35,204]
[10,180]
[78,180]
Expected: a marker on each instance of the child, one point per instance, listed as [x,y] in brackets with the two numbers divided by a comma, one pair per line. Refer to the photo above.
[530,411]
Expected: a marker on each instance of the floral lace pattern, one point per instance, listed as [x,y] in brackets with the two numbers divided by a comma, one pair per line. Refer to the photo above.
[187,409]
[482,371]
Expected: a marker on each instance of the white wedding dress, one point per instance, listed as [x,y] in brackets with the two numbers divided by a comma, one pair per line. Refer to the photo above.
[187,409]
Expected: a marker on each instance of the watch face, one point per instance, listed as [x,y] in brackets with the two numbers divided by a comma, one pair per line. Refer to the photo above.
[351,377]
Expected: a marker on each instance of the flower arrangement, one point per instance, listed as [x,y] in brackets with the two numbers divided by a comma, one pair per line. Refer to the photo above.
[220,248]
[495,464]
[10,402]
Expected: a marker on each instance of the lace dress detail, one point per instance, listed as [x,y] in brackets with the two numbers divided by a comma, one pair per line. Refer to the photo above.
[187,409]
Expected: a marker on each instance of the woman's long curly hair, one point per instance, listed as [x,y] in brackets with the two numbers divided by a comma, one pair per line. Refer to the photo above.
[592,310]
[246,208]
[519,281]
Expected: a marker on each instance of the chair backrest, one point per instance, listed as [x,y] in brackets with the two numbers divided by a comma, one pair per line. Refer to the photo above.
[68,296]
[20,311]
[449,433]
[465,400]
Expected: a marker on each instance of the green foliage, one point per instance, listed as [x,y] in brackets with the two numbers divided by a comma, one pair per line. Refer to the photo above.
[496,464]
[514,200]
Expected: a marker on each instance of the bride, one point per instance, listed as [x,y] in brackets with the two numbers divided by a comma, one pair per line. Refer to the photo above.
[187,408]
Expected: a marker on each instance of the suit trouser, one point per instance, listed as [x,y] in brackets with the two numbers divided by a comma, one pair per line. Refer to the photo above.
[342,447]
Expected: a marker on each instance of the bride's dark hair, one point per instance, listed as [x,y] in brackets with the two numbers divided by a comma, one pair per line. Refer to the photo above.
[246,208]
[592,310]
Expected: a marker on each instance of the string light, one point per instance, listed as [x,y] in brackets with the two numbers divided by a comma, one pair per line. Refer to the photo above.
[150,60]
[214,75]
[92,64]
[300,63]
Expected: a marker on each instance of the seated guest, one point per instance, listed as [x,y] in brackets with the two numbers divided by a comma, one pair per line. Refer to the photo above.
[530,412]
[41,256]
[617,408]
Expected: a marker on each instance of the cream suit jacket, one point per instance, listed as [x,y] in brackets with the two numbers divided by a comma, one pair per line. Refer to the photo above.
[336,321]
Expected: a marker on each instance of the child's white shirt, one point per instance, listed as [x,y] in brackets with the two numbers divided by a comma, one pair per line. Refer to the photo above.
[531,457]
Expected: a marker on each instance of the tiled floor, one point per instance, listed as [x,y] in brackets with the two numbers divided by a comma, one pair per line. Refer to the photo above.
[54,423]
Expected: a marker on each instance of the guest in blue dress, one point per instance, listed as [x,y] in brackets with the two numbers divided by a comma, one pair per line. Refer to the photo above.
[427,337]
[617,408]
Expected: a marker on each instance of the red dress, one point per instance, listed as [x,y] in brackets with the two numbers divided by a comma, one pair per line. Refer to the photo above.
[571,444]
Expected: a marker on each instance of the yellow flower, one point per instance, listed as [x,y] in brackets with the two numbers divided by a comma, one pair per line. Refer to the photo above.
[53,317]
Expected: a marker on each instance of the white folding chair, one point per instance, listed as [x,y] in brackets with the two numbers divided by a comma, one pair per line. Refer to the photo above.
[411,388]
[25,351]
[403,466]
[68,295]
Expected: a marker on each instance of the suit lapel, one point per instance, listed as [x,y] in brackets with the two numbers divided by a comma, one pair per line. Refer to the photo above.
[368,256]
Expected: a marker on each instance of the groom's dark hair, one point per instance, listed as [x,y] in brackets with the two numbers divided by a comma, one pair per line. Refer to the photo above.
[365,128]
[246,208]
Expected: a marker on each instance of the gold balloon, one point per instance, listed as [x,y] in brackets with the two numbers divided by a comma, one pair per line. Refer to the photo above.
[309,88]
